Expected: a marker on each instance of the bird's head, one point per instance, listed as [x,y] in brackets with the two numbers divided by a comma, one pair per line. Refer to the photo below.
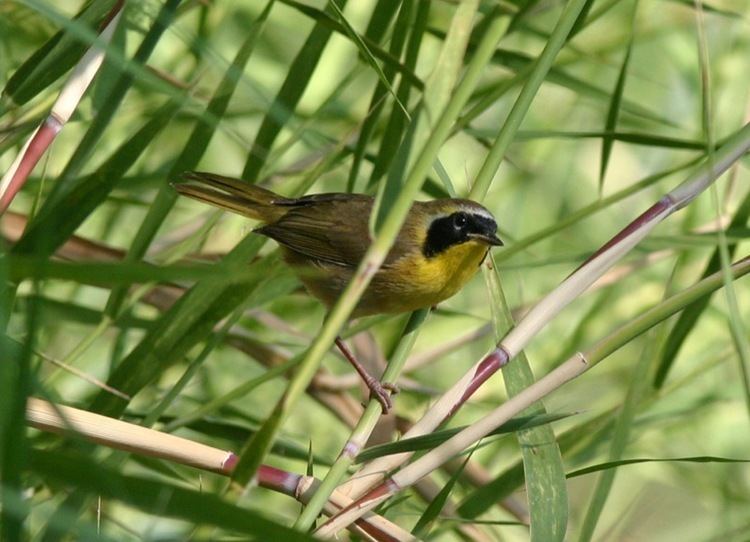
[452,222]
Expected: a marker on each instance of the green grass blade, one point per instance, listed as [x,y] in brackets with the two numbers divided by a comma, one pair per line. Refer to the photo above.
[615,103]
[50,228]
[580,23]
[637,138]
[365,52]
[709,8]
[53,309]
[546,489]
[635,461]
[283,106]
[58,55]
[436,438]
[15,387]
[158,497]
[397,122]
[110,72]
[377,102]
[104,116]
[432,511]
[326,19]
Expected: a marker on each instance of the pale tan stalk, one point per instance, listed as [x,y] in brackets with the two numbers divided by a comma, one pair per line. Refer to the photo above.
[126,436]
[427,463]
[121,435]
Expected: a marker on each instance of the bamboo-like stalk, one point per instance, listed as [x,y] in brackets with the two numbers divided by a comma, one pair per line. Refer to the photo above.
[362,431]
[121,435]
[67,101]
[573,367]
[546,309]
[127,436]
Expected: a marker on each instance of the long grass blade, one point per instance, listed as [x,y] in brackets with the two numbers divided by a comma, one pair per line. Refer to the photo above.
[282,108]
[615,103]
[58,54]
[545,476]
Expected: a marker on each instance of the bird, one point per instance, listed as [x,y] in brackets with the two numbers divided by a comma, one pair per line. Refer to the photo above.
[323,237]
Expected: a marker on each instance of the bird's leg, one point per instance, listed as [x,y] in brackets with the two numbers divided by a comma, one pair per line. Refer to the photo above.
[378,390]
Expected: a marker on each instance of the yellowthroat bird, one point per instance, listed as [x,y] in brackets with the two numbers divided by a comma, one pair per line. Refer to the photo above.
[323,237]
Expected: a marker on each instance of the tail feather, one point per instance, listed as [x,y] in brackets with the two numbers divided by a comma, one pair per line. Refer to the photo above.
[232,194]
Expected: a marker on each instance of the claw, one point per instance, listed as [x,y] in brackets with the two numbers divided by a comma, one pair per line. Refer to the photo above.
[380,392]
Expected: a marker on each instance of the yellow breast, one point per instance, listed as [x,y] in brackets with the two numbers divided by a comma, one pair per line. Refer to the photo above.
[417,282]
[446,273]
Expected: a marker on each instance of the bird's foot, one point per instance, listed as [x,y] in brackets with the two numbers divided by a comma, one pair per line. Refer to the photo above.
[381,392]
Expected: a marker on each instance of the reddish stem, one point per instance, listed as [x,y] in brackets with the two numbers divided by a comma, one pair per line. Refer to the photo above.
[32,154]
[492,362]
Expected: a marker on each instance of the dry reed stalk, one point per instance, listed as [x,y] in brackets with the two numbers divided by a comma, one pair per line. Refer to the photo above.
[122,435]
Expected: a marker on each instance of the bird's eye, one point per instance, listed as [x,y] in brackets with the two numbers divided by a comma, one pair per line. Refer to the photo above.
[459,220]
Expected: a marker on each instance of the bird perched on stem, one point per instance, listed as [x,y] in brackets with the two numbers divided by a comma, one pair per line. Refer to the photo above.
[323,237]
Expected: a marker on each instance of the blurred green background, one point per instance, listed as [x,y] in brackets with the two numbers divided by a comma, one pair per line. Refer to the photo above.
[552,170]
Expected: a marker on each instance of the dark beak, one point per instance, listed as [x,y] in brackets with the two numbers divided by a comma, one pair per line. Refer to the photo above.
[490,238]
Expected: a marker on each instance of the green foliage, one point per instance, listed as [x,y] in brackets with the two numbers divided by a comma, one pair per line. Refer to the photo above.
[200,323]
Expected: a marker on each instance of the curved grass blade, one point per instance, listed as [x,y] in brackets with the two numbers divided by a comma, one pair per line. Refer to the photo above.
[58,54]
[286,100]
[614,105]
[365,52]
[429,441]
[377,102]
[545,477]
[615,464]
[325,18]
[432,512]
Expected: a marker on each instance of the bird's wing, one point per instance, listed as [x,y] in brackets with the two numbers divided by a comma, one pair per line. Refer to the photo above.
[330,228]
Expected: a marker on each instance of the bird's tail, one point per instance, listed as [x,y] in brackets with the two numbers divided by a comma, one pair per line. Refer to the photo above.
[232,194]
